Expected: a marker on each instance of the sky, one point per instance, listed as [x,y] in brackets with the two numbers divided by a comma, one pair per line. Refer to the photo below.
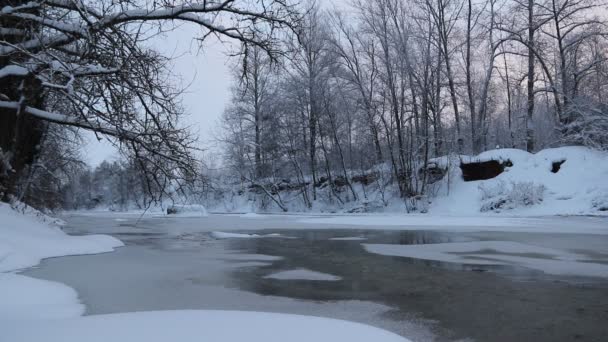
[208,74]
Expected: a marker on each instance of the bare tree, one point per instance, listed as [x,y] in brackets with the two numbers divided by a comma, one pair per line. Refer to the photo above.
[91,58]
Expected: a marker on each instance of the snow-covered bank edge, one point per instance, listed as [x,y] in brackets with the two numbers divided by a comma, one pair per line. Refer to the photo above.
[25,241]
[26,237]
[199,325]
[533,224]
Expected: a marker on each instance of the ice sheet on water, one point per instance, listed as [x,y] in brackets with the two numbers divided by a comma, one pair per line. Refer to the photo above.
[302,274]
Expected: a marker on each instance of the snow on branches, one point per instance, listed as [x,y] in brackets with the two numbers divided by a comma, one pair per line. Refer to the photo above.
[85,64]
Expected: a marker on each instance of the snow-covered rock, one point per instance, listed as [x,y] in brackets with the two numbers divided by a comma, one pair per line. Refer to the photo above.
[557,181]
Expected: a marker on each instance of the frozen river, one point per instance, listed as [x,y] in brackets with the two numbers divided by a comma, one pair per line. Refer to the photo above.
[328,269]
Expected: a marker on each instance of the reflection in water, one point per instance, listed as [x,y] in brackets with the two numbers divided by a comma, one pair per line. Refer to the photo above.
[455,294]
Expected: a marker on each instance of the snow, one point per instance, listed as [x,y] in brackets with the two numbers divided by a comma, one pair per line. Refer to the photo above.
[303,274]
[36,310]
[548,260]
[13,70]
[224,235]
[186,326]
[25,241]
[349,238]
[249,257]
[527,188]
[26,237]
[188,210]
[470,223]
[574,190]
[252,215]
[28,298]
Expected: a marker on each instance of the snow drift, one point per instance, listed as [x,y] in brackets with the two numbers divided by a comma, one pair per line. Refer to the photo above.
[557,181]
[25,240]
[26,237]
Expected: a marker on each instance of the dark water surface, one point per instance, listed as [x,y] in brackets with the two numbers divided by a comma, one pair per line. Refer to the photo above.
[477,302]
[486,303]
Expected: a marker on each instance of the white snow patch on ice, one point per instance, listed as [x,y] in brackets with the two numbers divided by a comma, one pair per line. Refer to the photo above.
[197,326]
[248,257]
[481,222]
[416,220]
[548,260]
[302,274]
[26,238]
[252,215]
[224,235]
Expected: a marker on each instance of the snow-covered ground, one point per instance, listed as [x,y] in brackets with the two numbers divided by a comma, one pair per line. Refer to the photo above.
[191,326]
[33,310]
[529,187]
[25,298]
[26,237]
[177,264]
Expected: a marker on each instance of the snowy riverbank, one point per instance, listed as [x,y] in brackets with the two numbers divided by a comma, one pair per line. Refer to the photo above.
[567,180]
[34,309]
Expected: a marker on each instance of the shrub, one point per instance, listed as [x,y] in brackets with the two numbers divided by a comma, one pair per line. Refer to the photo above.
[502,196]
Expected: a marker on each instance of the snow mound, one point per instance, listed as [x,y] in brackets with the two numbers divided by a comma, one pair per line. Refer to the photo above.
[197,326]
[36,214]
[24,241]
[557,181]
[28,298]
[26,237]
[302,274]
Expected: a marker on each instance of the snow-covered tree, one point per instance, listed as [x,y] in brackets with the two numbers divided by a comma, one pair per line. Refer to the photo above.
[86,64]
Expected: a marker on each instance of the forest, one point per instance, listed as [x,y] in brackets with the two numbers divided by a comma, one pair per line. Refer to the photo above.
[374,91]
[327,99]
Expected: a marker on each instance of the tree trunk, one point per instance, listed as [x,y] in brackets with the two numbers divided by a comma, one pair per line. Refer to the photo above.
[530,102]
